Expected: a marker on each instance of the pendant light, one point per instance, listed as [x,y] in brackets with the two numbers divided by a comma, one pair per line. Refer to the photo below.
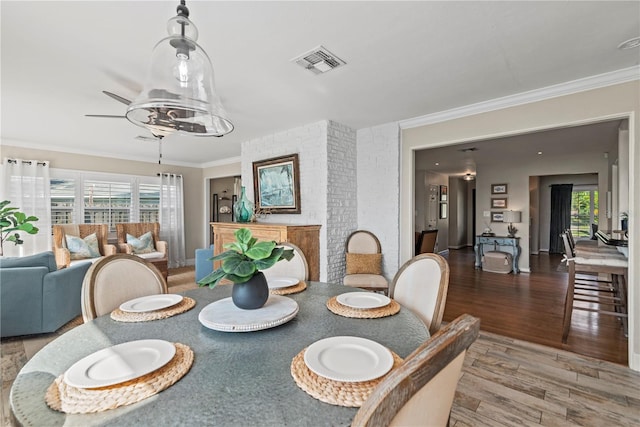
[179,93]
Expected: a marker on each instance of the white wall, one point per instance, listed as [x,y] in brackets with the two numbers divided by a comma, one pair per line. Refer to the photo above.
[310,143]
[328,184]
[378,151]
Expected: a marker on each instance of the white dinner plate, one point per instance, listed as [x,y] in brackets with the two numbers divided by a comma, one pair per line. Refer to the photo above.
[349,359]
[119,363]
[150,303]
[281,282]
[363,300]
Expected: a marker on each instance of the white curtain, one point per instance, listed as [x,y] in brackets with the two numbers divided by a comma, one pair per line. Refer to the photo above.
[25,183]
[172,218]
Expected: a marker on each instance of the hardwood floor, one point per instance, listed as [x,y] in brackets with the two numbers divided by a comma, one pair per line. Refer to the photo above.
[530,307]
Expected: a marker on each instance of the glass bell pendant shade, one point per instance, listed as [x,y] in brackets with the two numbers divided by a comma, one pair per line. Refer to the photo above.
[179,93]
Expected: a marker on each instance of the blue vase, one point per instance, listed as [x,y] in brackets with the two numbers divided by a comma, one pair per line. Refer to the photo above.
[251,294]
[243,208]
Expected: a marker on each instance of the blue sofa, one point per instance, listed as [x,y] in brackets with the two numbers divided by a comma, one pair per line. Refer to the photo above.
[36,297]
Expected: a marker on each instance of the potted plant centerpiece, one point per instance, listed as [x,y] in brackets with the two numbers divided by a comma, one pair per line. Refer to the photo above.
[12,221]
[242,263]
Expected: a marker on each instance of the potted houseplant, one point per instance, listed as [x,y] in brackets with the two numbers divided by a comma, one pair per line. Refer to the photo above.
[12,222]
[242,263]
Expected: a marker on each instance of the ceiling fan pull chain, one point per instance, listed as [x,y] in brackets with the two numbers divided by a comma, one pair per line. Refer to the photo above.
[159,151]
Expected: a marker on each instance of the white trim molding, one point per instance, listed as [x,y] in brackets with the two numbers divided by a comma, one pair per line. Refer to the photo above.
[588,83]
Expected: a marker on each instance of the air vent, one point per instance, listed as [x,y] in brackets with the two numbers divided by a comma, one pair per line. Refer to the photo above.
[318,60]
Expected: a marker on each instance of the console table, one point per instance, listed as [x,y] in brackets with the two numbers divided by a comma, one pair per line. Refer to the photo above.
[512,243]
[306,237]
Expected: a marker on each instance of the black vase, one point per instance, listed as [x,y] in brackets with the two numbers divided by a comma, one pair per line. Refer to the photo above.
[251,294]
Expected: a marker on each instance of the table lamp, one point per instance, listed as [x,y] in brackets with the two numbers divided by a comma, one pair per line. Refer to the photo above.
[511,217]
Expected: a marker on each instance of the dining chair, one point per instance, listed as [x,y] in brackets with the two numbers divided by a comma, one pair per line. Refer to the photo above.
[364,262]
[421,285]
[297,267]
[427,242]
[116,279]
[420,392]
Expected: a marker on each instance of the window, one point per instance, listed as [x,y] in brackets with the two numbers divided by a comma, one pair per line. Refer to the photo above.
[63,196]
[584,210]
[83,197]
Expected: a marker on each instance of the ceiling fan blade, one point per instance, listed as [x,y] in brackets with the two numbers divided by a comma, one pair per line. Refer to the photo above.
[107,116]
[146,138]
[118,98]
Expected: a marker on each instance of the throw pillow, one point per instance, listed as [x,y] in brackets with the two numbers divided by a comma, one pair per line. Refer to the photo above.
[80,248]
[142,244]
[364,263]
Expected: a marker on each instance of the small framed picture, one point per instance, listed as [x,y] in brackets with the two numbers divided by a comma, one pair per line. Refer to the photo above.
[499,203]
[498,188]
[497,217]
[443,193]
[443,210]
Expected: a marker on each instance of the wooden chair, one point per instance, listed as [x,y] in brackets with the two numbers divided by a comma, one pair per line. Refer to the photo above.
[137,229]
[62,253]
[420,392]
[427,242]
[421,285]
[364,262]
[116,279]
[297,267]
[588,290]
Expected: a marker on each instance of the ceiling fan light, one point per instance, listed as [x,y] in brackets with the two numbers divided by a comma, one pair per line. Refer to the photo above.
[179,93]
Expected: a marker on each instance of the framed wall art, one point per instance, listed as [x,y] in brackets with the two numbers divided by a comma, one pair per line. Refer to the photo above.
[443,193]
[443,210]
[497,217]
[276,185]
[498,188]
[499,203]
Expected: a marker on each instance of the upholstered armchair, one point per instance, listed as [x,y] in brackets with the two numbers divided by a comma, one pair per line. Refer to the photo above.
[73,243]
[142,239]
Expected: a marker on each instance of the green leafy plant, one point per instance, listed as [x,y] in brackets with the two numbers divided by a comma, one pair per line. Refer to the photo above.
[12,222]
[244,259]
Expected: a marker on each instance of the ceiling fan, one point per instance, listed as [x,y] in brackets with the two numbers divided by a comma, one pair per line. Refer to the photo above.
[165,120]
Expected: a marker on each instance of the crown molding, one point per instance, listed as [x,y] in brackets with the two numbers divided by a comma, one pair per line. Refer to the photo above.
[221,162]
[119,156]
[581,85]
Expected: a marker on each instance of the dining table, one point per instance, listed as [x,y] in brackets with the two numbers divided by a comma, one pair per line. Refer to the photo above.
[236,379]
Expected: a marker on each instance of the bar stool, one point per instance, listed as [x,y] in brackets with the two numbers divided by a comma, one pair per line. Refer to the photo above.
[592,288]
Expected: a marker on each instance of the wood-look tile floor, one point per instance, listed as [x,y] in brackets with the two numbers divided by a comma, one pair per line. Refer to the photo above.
[504,381]
[508,382]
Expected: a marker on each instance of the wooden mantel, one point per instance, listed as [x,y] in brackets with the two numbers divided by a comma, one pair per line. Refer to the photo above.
[306,237]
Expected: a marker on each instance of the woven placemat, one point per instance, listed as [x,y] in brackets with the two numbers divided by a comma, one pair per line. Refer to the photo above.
[301,286]
[71,400]
[370,313]
[339,393]
[125,316]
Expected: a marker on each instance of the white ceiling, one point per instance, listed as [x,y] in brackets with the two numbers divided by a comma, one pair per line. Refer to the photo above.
[404,60]
[458,160]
